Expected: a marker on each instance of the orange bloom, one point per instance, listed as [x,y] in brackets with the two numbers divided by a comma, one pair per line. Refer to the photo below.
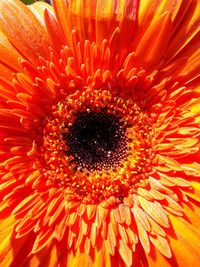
[99,133]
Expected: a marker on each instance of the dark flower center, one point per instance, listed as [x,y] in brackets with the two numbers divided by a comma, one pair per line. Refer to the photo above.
[96,141]
[95,145]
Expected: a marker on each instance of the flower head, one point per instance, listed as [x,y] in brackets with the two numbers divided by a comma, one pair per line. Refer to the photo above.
[99,133]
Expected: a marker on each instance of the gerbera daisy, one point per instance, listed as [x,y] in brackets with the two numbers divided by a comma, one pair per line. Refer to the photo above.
[99,133]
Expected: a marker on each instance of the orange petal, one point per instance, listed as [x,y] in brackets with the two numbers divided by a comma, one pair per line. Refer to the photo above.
[62,13]
[113,14]
[96,20]
[195,194]
[162,245]
[125,252]
[155,210]
[188,29]
[8,54]
[151,10]
[22,28]
[6,76]
[154,41]
[54,31]
[186,238]
[40,259]
[156,259]
[38,9]
[101,259]
[7,254]
[184,241]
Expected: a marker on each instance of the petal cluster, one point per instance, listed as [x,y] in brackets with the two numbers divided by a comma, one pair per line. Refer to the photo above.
[136,60]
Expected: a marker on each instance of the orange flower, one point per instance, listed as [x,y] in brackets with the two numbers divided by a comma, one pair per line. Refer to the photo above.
[99,133]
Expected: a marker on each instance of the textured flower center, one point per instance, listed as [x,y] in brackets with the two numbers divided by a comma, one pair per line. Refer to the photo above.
[96,145]
[97,141]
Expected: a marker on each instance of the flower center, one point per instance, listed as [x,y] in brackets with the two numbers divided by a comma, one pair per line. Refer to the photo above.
[96,145]
[97,141]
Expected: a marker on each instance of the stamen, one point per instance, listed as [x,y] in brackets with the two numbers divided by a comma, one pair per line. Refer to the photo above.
[96,145]
[97,141]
